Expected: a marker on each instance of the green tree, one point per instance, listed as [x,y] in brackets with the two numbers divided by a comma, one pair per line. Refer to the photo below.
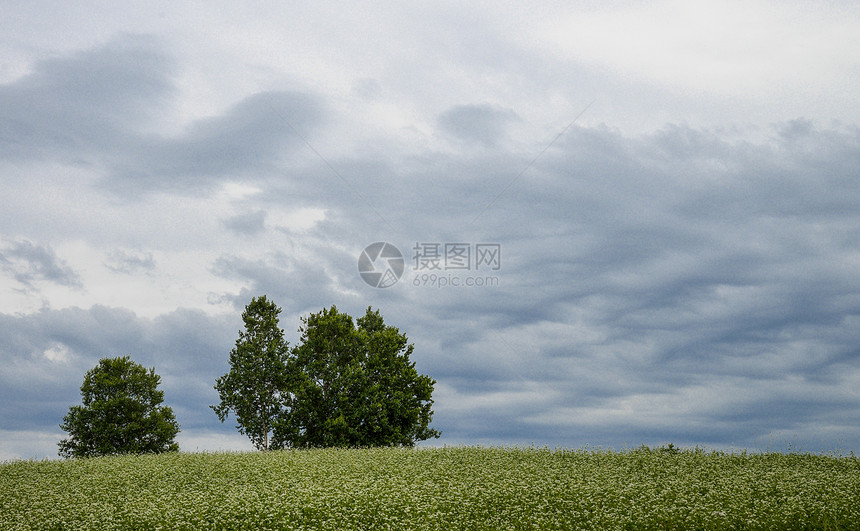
[255,388]
[353,384]
[121,413]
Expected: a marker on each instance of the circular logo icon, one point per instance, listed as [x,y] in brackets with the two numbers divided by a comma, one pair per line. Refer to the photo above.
[381,264]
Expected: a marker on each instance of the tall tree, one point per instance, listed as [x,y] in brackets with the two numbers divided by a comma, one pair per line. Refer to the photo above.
[255,388]
[355,385]
[121,413]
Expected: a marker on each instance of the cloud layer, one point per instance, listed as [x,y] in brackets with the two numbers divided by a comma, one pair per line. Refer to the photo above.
[681,275]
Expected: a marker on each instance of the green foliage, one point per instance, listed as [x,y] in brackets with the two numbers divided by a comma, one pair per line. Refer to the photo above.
[441,488]
[345,384]
[255,388]
[353,384]
[121,413]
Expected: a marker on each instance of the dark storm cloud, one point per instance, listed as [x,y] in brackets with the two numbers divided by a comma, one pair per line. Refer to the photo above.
[29,263]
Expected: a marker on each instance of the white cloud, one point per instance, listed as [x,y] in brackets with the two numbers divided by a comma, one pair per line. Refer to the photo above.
[299,220]
[731,47]
[723,62]
[57,353]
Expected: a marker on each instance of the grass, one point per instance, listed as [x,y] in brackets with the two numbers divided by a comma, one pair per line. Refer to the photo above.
[446,488]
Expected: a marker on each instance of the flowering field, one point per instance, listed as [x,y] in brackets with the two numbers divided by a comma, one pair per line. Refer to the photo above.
[448,488]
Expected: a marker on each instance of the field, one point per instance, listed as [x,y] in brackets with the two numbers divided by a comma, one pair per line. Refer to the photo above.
[445,488]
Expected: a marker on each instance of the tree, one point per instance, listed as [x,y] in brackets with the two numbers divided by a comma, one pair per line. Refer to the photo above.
[121,413]
[255,388]
[354,386]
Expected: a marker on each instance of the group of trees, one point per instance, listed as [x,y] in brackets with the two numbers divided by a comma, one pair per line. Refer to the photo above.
[347,383]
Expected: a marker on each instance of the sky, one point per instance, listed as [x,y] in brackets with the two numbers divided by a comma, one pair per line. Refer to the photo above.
[620,223]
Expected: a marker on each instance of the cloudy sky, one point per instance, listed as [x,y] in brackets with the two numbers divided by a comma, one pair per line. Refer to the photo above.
[671,190]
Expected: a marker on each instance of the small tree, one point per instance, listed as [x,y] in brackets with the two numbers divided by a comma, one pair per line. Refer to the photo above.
[121,413]
[355,386]
[255,388]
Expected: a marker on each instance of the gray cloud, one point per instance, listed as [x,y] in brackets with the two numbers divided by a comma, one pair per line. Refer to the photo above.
[299,280]
[249,137]
[29,263]
[79,107]
[130,262]
[484,124]
[187,348]
[640,272]
[92,108]
[248,224]
[678,286]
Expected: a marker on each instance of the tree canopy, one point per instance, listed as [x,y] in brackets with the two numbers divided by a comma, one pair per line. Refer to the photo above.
[121,412]
[355,385]
[346,383]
